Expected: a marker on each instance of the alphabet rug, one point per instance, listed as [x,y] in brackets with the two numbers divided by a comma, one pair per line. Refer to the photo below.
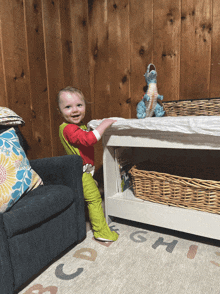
[144,260]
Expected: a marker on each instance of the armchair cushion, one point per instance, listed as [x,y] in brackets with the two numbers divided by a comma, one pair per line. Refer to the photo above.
[36,208]
[16,174]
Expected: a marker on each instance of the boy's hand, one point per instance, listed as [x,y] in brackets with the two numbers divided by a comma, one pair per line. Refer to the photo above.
[104,125]
[109,121]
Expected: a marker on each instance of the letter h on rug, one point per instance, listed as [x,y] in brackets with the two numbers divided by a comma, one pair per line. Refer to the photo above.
[170,246]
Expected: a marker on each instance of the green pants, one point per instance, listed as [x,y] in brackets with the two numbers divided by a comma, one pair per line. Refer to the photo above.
[94,201]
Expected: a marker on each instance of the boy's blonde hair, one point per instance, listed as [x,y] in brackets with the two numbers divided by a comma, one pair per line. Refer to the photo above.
[71,90]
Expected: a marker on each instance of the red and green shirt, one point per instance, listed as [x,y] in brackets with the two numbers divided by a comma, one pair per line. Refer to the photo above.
[77,140]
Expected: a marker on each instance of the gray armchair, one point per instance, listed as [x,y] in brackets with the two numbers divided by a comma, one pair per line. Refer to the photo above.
[43,223]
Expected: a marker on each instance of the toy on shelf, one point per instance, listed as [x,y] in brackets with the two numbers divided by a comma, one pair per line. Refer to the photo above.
[151,102]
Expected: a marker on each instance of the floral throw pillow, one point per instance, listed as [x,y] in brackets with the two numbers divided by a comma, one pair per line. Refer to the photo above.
[16,175]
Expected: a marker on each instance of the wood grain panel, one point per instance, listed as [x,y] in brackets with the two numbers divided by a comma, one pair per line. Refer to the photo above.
[119,58]
[15,57]
[41,140]
[54,65]
[141,39]
[103,48]
[215,58]
[66,40]
[3,94]
[99,63]
[195,49]
[99,59]
[166,47]
[80,56]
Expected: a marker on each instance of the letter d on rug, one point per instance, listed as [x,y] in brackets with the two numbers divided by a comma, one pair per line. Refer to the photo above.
[78,254]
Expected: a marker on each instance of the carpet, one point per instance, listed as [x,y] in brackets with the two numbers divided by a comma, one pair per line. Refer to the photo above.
[145,259]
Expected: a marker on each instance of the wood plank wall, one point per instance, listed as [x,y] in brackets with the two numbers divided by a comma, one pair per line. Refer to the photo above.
[102,47]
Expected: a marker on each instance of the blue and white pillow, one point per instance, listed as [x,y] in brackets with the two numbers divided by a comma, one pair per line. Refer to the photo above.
[16,174]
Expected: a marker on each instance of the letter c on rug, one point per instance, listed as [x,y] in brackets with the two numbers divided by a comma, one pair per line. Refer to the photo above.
[78,254]
[141,238]
[61,275]
[41,290]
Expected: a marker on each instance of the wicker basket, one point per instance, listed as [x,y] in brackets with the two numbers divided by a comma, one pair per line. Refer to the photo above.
[177,191]
[192,107]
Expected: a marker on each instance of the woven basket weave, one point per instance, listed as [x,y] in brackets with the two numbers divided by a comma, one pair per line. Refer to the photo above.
[177,191]
[192,107]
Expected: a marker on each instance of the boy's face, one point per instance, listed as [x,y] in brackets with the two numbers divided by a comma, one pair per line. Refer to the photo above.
[72,107]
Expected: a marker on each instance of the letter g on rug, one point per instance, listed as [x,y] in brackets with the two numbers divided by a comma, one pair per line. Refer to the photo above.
[141,238]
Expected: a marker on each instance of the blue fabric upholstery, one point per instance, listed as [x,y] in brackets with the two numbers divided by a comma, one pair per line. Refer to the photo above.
[64,170]
[6,271]
[40,245]
[28,211]
[43,223]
